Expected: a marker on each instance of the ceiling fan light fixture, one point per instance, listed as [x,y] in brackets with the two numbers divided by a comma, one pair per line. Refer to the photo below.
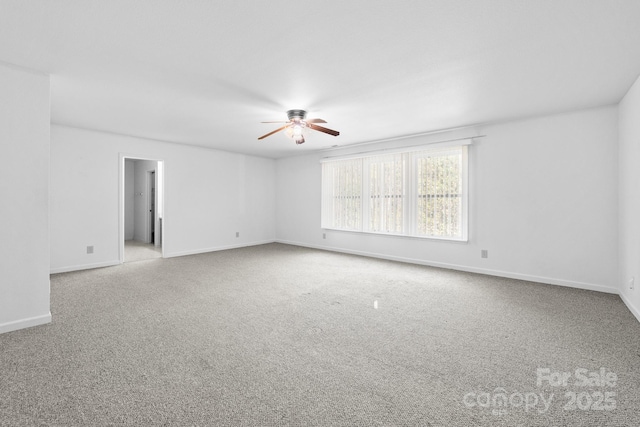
[297,129]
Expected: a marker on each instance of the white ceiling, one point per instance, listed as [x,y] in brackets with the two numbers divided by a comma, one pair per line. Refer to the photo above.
[207,72]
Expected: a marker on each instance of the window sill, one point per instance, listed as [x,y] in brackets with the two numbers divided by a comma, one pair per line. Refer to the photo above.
[404,236]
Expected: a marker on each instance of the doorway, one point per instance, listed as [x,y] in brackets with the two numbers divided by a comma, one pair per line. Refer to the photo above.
[141,209]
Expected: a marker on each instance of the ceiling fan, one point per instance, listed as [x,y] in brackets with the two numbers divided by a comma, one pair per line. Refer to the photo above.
[297,125]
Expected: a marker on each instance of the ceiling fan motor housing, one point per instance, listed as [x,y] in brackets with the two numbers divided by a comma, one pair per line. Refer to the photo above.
[296,114]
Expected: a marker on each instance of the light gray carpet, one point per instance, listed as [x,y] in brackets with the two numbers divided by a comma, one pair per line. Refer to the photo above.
[138,251]
[282,335]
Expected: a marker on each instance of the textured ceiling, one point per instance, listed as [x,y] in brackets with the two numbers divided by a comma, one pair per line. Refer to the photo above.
[207,72]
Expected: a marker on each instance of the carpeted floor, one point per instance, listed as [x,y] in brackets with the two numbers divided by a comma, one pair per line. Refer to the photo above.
[138,251]
[281,335]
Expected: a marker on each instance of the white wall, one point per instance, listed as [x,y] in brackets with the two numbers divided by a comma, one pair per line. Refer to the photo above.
[24,199]
[129,199]
[543,203]
[209,196]
[629,197]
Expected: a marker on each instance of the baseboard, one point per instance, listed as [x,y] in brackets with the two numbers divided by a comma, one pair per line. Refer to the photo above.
[166,255]
[630,306]
[84,267]
[216,248]
[498,273]
[25,323]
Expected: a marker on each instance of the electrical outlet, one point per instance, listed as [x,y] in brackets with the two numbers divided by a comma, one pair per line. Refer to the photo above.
[484,253]
[237,234]
[324,235]
[89,249]
[632,282]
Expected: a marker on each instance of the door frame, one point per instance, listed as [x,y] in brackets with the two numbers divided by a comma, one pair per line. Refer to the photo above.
[121,183]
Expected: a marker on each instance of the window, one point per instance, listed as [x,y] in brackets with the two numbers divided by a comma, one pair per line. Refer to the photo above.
[440,193]
[386,194]
[342,183]
[420,193]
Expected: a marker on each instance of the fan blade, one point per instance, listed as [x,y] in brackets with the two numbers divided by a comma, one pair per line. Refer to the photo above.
[315,121]
[279,121]
[275,131]
[323,129]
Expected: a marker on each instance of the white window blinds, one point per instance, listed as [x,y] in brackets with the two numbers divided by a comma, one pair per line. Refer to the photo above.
[342,195]
[386,193]
[439,193]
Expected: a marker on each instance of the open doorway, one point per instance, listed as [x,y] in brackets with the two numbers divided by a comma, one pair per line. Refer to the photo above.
[141,209]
